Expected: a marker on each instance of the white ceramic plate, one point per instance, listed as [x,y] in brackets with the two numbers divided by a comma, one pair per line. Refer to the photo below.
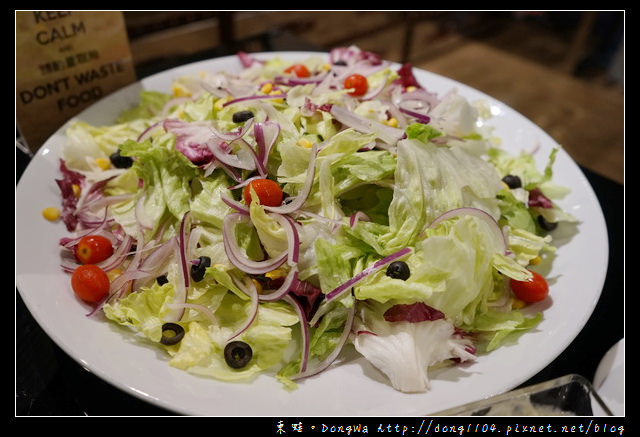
[353,387]
[609,378]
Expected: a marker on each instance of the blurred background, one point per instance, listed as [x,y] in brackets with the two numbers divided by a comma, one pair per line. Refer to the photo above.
[563,70]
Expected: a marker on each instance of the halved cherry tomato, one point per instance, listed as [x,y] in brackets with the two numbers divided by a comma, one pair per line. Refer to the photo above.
[299,70]
[533,290]
[358,83]
[268,191]
[90,283]
[93,248]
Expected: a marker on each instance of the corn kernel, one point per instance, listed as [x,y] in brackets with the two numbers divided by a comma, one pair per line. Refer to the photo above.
[326,67]
[103,163]
[113,274]
[180,90]
[535,261]
[219,104]
[266,88]
[303,142]
[275,93]
[275,274]
[257,284]
[518,304]
[505,186]
[52,214]
[393,122]
[410,88]
[76,190]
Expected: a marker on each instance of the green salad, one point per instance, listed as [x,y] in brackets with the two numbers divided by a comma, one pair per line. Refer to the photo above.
[262,220]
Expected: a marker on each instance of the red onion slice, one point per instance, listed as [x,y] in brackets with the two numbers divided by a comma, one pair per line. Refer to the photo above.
[302,195]
[293,238]
[236,254]
[348,325]
[156,262]
[266,134]
[201,308]
[478,213]
[284,289]
[422,118]
[388,134]
[255,97]
[230,136]
[304,326]
[147,132]
[234,204]
[250,290]
[356,217]
[372,93]
[338,291]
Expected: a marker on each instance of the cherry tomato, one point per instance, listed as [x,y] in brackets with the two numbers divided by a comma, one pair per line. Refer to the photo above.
[533,290]
[93,248]
[268,191]
[90,283]
[358,83]
[299,70]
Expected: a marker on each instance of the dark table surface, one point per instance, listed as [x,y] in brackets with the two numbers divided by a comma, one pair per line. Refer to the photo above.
[50,383]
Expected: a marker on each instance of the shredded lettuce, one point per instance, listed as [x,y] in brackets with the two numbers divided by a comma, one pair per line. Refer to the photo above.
[371,196]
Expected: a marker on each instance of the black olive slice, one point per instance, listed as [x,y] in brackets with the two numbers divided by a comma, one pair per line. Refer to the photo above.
[172,333]
[546,225]
[119,161]
[198,270]
[237,354]
[162,279]
[399,270]
[512,181]
[240,116]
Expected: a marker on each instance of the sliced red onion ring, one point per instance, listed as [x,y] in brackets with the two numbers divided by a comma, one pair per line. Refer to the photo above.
[422,118]
[357,216]
[118,256]
[266,134]
[234,204]
[324,364]
[182,243]
[304,326]
[141,216]
[230,171]
[173,102]
[258,162]
[478,213]
[255,97]
[234,135]
[293,81]
[387,134]
[156,262]
[201,308]
[250,290]
[284,289]
[372,93]
[220,153]
[293,238]
[147,132]
[302,195]
[338,291]
[236,254]
[183,283]
[248,60]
